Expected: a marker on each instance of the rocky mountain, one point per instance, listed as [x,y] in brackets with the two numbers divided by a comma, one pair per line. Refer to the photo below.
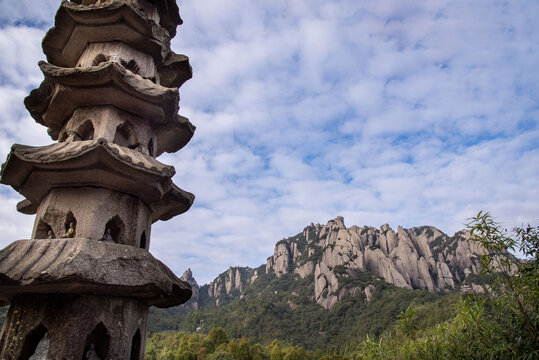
[330,256]
[193,303]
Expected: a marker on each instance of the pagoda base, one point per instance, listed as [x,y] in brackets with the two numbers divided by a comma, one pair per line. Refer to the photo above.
[73,326]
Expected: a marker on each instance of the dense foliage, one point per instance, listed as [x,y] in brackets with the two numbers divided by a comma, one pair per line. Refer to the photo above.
[217,346]
[285,310]
[395,324]
[500,325]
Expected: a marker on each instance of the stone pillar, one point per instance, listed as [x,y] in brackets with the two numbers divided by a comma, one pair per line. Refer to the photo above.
[81,287]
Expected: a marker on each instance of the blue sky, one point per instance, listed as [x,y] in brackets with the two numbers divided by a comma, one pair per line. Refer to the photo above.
[402,112]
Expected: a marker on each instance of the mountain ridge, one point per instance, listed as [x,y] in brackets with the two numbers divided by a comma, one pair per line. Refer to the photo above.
[332,255]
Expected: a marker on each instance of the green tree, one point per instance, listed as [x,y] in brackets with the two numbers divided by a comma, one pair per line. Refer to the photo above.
[515,291]
[220,355]
[217,336]
[244,350]
[258,352]
[407,324]
[185,354]
[202,354]
[499,325]
[296,353]
[151,353]
[276,352]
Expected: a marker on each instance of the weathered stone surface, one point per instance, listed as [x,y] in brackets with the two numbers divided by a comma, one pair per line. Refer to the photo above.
[174,135]
[109,83]
[378,264]
[230,283]
[83,266]
[35,171]
[194,301]
[269,264]
[119,20]
[92,211]
[167,11]
[82,290]
[281,259]
[417,258]
[369,292]
[116,326]
[126,129]
[305,269]
[174,202]
[326,286]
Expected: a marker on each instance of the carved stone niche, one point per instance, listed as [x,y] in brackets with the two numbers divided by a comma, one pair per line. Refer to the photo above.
[133,60]
[93,210]
[79,327]
[108,122]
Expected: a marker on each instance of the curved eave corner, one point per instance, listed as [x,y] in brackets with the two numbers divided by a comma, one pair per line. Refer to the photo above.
[175,202]
[175,135]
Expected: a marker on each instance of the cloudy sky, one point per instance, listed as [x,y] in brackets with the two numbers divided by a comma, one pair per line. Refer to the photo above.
[402,112]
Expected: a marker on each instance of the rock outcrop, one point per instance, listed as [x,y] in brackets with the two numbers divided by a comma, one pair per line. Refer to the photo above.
[194,301]
[332,255]
[227,285]
[416,258]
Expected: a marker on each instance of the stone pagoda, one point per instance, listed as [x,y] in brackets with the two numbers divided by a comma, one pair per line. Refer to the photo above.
[81,287]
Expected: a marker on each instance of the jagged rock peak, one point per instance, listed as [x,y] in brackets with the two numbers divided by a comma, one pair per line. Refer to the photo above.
[194,302]
[340,261]
[417,258]
[338,221]
[230,283]
[188,276]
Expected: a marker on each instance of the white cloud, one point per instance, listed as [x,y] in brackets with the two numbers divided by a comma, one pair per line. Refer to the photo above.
[399,112]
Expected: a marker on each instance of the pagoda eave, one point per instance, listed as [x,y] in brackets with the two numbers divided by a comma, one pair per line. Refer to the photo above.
[66,89]
[85,266]
[77,26]
[26,207]
[175,71]
[168,12]
[175,202]
[90,163]
[173,136]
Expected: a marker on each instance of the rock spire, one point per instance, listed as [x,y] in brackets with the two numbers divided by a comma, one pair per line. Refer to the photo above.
[334,259]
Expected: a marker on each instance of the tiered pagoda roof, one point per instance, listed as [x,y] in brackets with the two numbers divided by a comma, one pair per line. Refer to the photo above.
[82,285]
[109,83]
[35,171]
[77,26]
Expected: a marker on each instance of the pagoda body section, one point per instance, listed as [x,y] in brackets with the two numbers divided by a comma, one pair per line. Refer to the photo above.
[81,287]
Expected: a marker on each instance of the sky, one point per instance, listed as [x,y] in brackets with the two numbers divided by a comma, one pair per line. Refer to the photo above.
[403,112]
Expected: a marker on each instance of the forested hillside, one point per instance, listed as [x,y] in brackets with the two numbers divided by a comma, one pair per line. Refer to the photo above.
[276,319]
[330,285]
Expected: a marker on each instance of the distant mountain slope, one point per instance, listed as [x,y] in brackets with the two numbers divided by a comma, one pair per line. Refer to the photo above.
[331,283]
[332,255]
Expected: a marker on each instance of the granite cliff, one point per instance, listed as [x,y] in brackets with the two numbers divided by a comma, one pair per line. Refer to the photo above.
[331,255]
[193,302]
